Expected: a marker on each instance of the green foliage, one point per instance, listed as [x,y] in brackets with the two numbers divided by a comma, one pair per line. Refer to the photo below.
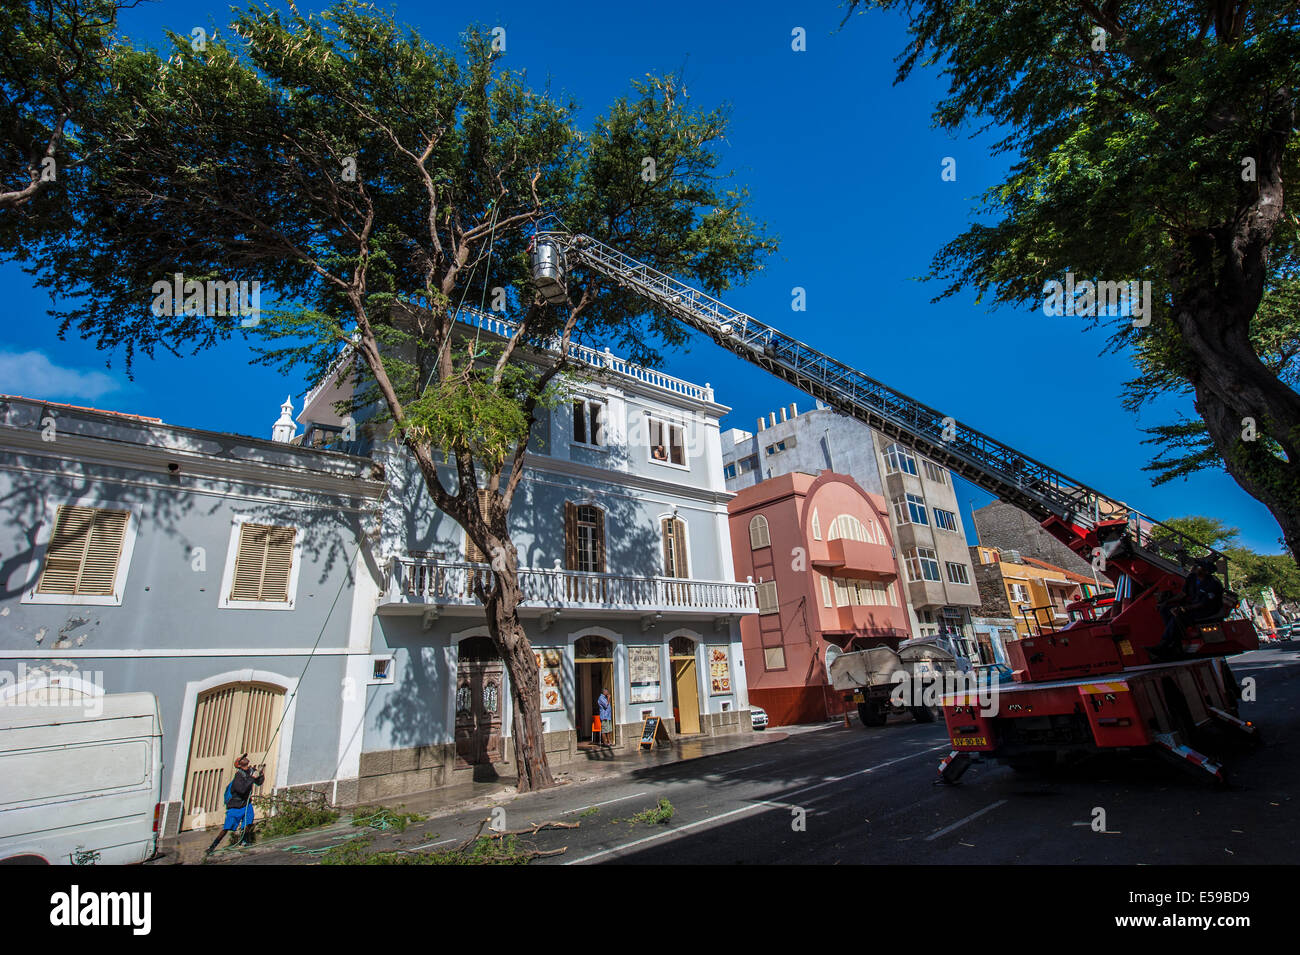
[295,816]
[483,851]
[52,73]
[379,817]
[660,815]
[1210,532]
[1248,572]
[1134,163]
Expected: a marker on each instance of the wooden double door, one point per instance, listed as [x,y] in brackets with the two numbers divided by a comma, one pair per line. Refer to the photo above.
[480,703]
[229,721]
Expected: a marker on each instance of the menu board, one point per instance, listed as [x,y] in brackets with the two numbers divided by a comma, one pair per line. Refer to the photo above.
[719,671]
[548,678]
[643,665]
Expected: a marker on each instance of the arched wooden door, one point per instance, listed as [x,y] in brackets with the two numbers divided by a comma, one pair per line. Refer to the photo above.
[480,702]
[229,721]
[686,691]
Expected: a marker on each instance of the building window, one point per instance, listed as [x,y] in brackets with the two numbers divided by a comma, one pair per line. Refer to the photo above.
[898,458]
[776,448]
[922,564]
[848,527]
[673,532]
[910,509]
[263,564]
[749,464]
[84,552]
[774,658]
[767,602]
[584,538]
[827,601]
[945,520]
[589,422]
[729,471]
[381,670]
[957,573]
[758,533]
[863,593]
[1019,593]
[667,443]
[816,525]
[935,473]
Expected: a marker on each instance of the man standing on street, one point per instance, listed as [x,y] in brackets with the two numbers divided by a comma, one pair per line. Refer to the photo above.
[606,717]
[239,802]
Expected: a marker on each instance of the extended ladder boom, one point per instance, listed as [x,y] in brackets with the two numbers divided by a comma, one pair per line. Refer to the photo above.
[1014,477]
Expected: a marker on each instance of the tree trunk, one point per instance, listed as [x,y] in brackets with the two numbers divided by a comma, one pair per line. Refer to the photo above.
[1237,396]
[512,643]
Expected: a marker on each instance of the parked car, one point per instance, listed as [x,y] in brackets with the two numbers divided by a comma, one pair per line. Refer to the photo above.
[758,717]
[82,784]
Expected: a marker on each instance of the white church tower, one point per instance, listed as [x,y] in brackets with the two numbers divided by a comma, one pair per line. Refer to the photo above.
[285,428]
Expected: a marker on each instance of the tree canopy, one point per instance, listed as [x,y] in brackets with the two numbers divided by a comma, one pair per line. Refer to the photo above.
[1151,143]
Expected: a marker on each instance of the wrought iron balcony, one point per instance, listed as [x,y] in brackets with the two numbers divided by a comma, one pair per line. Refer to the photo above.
[419,585]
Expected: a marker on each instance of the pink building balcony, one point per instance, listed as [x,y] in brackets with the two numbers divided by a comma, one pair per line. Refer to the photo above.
[850,558]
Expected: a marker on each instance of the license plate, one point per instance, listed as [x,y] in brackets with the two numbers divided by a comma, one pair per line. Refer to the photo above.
[859,698]
[970,741]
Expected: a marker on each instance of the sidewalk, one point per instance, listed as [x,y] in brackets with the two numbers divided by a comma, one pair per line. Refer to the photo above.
[187,848]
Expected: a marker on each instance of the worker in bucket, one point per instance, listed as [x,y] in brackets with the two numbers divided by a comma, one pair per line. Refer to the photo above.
[239,802]
[1200,601]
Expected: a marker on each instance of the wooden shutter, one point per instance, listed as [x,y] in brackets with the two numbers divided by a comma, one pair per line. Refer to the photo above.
[84,551]
[472,553]
[758,533]
[600,540]
[570,535]
[263,564]
[677,528]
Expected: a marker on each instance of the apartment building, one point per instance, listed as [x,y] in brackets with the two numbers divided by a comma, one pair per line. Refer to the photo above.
[925,519]
[302,600]
[820,551]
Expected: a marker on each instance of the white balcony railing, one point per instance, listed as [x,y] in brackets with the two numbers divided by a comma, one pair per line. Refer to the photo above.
[416,583]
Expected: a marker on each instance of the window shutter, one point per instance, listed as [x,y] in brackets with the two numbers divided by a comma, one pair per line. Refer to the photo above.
[84,551]
[570,535]
[472,554]
[679,548]
[600,541]
[767,600]
[665,533]
[263,563]
[758,533]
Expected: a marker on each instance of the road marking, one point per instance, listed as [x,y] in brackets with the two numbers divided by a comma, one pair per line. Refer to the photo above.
[736,812]
[961,822]
[605,803]
[743,769]
[428,845]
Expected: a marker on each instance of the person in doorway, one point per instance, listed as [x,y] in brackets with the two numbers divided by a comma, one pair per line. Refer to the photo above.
[606,717]
[239,802]
[1200,601]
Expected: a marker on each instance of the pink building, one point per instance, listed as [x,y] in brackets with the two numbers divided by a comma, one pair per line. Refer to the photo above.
[821,552]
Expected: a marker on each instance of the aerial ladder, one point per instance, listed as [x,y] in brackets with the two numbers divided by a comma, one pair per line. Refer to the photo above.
[1088,687]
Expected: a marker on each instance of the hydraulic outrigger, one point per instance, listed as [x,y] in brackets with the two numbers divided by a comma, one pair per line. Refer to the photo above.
[1088,687]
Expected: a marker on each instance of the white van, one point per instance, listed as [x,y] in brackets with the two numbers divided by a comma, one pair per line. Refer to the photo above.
[80,782]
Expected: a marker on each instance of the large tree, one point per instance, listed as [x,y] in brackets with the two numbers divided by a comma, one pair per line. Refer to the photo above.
[373,182]
[53,74]
[1152,141]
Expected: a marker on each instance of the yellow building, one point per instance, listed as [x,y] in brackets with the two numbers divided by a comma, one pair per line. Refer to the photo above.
[1031,592]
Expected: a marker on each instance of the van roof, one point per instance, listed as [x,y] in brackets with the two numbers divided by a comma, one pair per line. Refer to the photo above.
[107,707]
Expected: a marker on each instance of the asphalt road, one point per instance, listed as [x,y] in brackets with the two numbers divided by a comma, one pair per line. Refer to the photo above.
[838,795]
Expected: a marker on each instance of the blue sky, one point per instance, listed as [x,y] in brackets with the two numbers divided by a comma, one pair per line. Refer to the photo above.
[840,163]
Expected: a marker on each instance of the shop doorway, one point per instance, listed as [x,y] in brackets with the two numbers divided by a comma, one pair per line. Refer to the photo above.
[479,703]
[686,686]
[593,670]
[229,721]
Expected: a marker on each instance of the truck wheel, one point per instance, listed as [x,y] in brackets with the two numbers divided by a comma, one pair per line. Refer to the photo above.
[872,715]
[923,714]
